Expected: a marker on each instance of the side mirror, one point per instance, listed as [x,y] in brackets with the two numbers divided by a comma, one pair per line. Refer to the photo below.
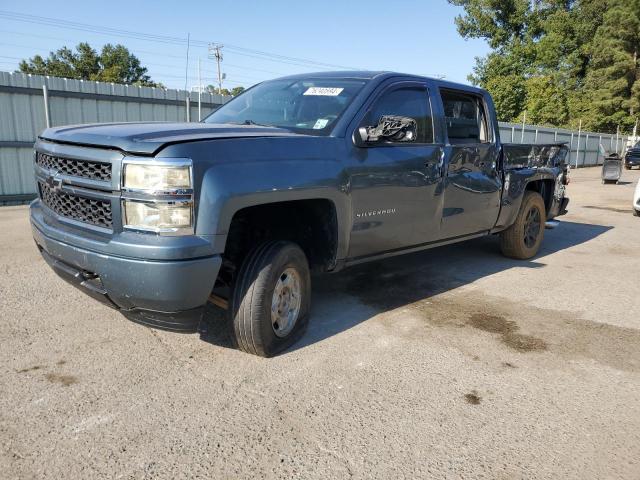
[390,127]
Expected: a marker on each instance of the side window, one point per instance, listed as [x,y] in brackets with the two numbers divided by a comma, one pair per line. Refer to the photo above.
[465,117]
[410,102]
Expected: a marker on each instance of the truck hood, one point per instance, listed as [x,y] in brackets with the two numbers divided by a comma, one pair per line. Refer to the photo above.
[146,138]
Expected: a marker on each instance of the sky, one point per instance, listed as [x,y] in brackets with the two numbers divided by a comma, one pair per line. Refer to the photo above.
[411,36]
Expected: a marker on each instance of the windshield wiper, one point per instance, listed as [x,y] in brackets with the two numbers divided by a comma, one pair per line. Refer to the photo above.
[251,122]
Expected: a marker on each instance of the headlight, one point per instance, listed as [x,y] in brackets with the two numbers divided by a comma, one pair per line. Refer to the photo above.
[157,196]
[160,217]
[156,178]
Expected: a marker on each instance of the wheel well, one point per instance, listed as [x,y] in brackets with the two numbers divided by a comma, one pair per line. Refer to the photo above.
[545,189]
[312,224]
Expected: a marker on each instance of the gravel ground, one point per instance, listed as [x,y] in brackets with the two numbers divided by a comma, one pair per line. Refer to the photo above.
[451,363]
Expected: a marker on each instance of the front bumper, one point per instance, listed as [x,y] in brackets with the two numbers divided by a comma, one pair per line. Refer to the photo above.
[168,294]
[632,162]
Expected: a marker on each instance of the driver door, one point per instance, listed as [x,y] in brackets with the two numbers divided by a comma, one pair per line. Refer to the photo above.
[396,186]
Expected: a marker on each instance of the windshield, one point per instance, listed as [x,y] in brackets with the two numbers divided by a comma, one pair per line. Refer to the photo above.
[305,106]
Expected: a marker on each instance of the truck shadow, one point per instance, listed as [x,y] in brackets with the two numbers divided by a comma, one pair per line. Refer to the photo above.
[348,298]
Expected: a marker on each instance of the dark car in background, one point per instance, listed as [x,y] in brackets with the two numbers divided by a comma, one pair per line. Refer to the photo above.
[632,157]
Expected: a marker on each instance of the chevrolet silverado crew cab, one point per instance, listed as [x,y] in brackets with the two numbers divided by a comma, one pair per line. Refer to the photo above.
[307,173]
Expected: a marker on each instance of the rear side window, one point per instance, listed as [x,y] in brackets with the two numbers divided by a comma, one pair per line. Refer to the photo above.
[465,117]
[410,102]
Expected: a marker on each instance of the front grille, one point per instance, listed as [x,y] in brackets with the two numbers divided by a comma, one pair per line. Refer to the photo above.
[82,209]
[76,168]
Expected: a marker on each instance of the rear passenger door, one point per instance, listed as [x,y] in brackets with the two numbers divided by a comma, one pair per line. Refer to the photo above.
[473,185]
[395,186]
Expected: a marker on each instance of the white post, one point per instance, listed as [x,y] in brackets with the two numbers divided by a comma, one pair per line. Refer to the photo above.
[536,140]
[578,143]
[47,112]
[199,92]
[586,150]
[513,134]
[524,120]
[599,143]
[188,105]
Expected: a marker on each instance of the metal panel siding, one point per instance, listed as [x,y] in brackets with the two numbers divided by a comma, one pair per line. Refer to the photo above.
[22,115]
[585,152]
[16,171]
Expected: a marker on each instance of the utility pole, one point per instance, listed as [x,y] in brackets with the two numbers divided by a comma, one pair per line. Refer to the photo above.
[186,67]
[215,52]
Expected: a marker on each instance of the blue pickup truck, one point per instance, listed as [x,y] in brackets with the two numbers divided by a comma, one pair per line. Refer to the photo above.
[307,173]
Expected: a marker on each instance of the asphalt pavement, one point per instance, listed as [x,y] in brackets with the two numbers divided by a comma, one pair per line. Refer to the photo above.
[450,363]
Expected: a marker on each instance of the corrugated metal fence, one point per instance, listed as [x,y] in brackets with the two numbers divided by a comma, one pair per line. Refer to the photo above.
[582,145]
[26,107]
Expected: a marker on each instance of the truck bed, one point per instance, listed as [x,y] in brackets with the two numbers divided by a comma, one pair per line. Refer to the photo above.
[525,155]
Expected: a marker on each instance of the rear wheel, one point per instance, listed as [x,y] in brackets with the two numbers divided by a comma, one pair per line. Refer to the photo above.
[271,298]
[522,240]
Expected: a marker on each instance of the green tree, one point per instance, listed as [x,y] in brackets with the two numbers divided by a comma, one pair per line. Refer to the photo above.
[546,101]
[560,60]
[114,64]
[612,84]
[225,91]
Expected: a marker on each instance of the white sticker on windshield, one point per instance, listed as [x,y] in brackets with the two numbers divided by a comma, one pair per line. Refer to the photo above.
[321,123]
[324,91]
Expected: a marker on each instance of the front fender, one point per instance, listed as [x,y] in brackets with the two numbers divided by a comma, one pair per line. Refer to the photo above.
[230,187]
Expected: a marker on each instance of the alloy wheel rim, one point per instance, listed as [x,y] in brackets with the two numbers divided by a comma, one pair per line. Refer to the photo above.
[532,227]
[286,302]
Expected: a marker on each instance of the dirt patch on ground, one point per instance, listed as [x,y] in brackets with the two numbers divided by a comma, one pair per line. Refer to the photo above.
[30,369]
[610,209]
[523,343]
[473,398]
[508,332]
[521,328]
[491,323]
[65,380]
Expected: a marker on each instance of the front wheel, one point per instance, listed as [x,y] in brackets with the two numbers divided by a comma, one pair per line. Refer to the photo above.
[522,240]
[271,298]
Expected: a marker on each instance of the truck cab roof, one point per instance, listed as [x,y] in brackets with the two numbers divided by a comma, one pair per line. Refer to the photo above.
[380,76]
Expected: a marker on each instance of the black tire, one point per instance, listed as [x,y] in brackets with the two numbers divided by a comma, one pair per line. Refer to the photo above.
[636,213]
[251,301]
[522,240]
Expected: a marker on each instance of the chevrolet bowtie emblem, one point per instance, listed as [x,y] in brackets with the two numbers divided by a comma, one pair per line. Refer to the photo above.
[54,182]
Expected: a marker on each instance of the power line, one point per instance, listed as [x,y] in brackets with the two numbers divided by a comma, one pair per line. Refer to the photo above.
[161,39]
[135,51]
